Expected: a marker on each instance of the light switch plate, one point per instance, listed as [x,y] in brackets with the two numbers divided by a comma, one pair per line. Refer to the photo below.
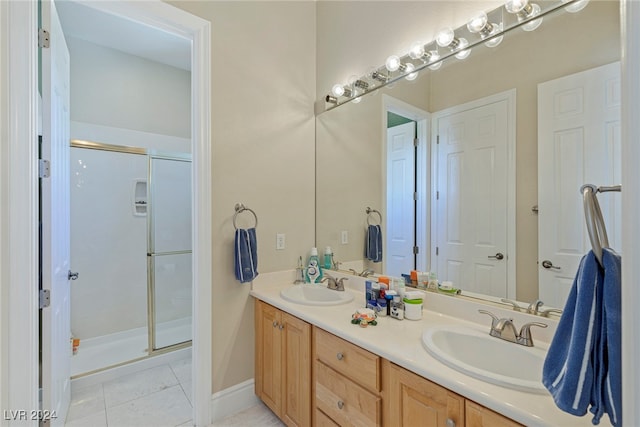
[345,237]
[280,241]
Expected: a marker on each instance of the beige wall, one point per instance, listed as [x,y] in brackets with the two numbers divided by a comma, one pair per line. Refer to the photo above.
[263,80]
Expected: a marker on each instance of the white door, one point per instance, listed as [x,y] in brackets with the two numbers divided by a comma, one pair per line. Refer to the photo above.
[400,212]
[55,329]
[471,205]
[578,143]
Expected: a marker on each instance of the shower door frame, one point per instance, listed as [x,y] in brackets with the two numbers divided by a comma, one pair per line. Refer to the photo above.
[150,154]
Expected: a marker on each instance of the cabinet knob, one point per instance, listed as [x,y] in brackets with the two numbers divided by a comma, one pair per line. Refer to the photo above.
[275,324]
[450,423]
[340,356]
[341,404]
[281,327]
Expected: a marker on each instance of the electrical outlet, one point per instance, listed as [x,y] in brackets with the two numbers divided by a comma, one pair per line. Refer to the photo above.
[345,237]
[280,241]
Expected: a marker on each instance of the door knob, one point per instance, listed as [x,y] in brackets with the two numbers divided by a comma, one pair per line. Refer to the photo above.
[548,264]
[497,256]
[72,276]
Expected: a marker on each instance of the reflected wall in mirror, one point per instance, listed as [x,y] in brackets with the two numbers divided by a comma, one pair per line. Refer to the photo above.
[351,143]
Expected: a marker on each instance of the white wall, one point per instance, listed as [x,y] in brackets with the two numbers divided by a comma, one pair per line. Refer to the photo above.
[115,89]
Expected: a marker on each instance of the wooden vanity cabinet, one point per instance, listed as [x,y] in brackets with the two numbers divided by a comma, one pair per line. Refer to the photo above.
[411,400]
[283,364]
[347,382]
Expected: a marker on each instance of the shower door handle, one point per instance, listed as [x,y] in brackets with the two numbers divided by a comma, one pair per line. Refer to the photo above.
[72,275]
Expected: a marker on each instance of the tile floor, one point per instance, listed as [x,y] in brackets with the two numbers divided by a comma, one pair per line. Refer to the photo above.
[158,397]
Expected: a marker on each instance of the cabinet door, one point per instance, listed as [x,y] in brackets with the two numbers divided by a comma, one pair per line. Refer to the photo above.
[268,356]
[296,370]
[411,400]
[479,416]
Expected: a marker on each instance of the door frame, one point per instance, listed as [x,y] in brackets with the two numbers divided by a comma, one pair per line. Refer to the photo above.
[19,207]
[510,97]
[423,120]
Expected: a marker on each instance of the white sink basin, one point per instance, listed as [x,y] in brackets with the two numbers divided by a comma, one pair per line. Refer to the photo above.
[316,294]
[487,358]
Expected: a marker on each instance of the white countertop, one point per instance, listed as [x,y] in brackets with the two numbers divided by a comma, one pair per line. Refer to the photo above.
[400,342]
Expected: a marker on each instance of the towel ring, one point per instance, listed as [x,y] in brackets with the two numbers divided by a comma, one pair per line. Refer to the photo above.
[370,211]
[241,208]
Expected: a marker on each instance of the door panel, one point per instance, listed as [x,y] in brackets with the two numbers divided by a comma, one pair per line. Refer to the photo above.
[578,143]
[400,236]
[471,210]
[55,326]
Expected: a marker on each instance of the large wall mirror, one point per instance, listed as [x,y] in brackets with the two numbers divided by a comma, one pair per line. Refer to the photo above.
[503,99]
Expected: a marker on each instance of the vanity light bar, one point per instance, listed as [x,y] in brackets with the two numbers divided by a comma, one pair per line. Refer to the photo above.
[520,13]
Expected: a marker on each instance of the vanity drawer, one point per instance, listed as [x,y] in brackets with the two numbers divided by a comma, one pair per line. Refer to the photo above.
[344,401]
[322,420]
[348,359]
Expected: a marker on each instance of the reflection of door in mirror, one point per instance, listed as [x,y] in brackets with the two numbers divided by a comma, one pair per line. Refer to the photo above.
[401,186]
[474,145]
[578,143]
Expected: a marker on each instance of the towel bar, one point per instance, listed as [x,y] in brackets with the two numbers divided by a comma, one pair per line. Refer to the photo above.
[241,208]
[593,216]
[370,211]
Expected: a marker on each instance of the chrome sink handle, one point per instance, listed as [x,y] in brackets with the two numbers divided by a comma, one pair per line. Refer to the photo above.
[515,305]
[524,337]
[547,312]
[494,318]
[534,307]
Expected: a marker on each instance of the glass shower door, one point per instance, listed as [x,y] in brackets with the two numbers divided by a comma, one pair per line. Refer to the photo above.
[169,255]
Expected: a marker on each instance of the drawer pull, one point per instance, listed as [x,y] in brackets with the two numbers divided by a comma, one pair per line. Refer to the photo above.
[275,323]
[341,405]
[340,356]
[450,423]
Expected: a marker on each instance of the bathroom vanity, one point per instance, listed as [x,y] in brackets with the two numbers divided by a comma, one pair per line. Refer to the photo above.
[314,367]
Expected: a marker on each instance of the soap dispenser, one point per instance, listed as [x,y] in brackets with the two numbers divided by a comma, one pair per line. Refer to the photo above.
[314,271]
[328,258]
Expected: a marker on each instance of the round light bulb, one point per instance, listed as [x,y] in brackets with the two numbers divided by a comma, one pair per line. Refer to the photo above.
[496,40]
[416,51]
[532,25]
[337,90]
[477,23]
[576,6]
[515,6]
[392,63]
[463,52]
[412,75]
[434,56]
[445,37]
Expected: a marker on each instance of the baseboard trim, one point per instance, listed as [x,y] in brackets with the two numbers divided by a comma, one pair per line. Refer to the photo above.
[232,400]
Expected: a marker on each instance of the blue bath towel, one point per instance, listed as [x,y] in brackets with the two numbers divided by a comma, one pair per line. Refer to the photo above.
[582,370]
[246,255]
[373,246]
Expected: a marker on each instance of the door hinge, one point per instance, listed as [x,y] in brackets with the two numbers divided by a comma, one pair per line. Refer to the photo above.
[416,142]
[45,298]
[44,168]
[416,250]
[438,139]
[415,195]
[43,38]
[437,251]
[437,195]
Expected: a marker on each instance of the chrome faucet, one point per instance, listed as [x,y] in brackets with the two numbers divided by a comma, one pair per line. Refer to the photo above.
[336,285]
[365,273]
[534,308]
[506,330]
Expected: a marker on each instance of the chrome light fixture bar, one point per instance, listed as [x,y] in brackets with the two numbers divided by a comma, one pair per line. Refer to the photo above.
[483,28]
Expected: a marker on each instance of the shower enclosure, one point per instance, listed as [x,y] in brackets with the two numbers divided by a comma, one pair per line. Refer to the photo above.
[131,244]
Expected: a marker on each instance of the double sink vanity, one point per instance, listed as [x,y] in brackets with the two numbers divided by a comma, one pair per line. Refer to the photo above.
[314,367]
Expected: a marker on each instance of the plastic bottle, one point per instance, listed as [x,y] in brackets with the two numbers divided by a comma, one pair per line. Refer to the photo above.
[314,271]
[328,258]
